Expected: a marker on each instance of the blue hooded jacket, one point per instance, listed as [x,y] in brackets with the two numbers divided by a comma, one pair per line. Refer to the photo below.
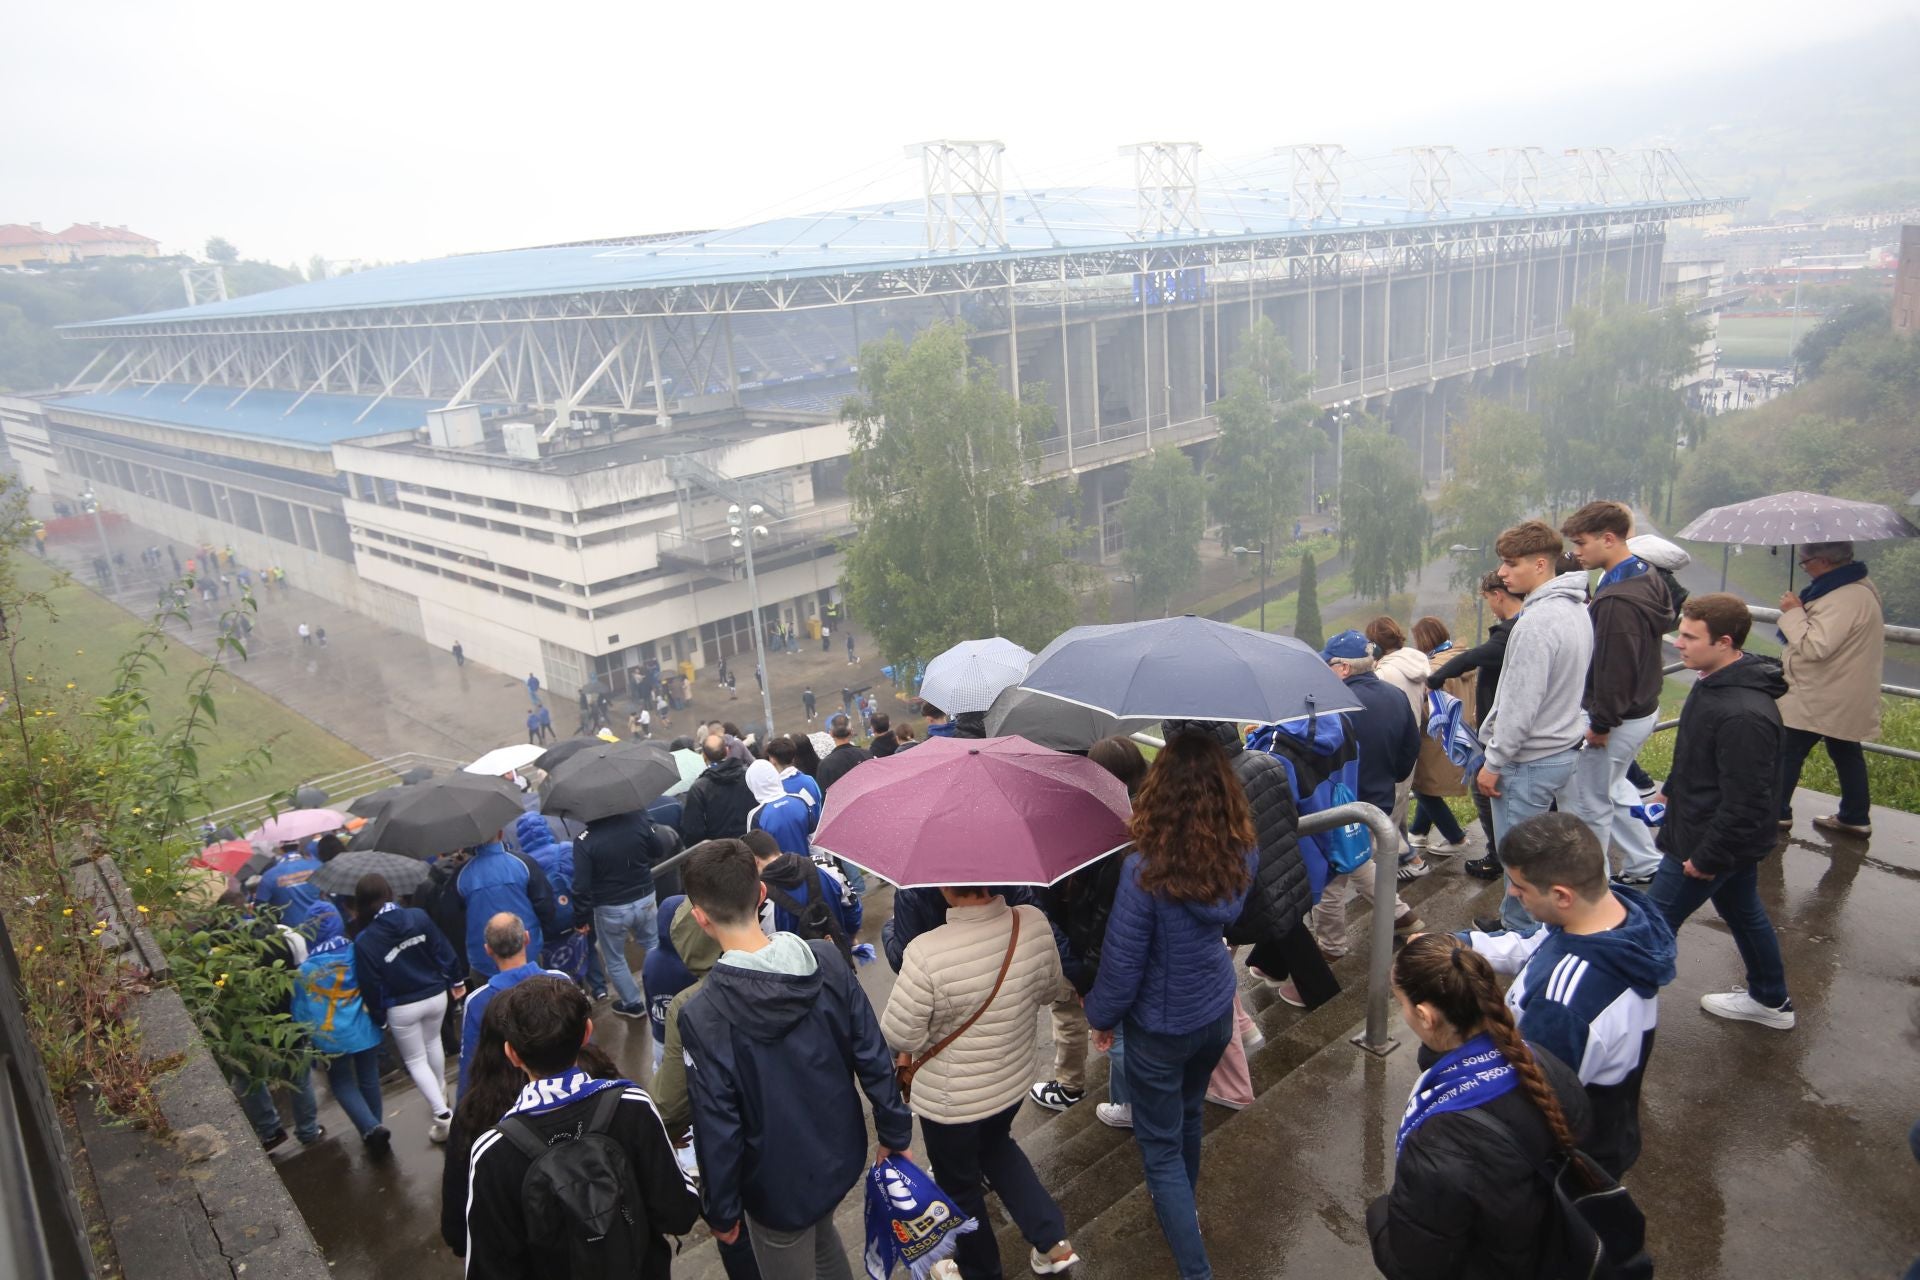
[799,784]
[1165,963]
[402,957]
[1593,1001]
[284,885]
[664,975]
[496,881]
[555,857]
[1323,761]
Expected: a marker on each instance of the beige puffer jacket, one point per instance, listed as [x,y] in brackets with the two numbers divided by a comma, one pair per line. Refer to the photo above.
[1835,650]
[947,974]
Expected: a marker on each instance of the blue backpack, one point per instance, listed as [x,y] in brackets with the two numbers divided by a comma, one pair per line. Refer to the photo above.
[1347,848]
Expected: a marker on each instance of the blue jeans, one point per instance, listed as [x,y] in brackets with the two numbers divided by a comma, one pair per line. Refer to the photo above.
[1167,1079]
[1432,811]
[1117,1068]
[1527,790]
[1736,896]
[355,1080]
[262,1113]
[641,917]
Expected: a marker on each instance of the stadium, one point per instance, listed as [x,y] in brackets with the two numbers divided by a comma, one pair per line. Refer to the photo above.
[533,451]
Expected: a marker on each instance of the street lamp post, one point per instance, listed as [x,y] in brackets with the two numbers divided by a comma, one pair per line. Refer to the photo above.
[91,505]
[1479,601]
[743,536]
[1262,550]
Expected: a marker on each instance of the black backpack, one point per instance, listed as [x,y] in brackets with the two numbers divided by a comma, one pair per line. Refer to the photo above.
[815,917]
[1595,1231]
[1676,594]
[579,1196]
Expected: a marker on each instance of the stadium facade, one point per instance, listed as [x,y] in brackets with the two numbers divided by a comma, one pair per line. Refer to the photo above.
[533,452]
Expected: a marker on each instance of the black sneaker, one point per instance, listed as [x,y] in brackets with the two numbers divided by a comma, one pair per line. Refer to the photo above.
[1055,1096]
[379,1141]
[279,1137]
[1483,868]
[634,1010]
[319,1132]
[1489,924]
[1631,882]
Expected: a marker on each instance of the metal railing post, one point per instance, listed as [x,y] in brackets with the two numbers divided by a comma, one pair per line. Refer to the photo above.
[1386,843]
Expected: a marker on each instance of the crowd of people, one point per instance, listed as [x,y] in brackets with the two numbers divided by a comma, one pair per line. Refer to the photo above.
[769,1061]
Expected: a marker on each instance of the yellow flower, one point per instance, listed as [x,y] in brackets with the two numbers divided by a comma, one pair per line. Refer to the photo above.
[29,679]
[136,808]
[100,772]
[221,983]
[67,911]
[61,983]
[38,948]
[143,910]
[223,977]
[70,684]
[79,650]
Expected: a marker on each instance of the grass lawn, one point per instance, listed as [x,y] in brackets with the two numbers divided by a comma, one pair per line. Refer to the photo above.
[1759,342]
[83,644]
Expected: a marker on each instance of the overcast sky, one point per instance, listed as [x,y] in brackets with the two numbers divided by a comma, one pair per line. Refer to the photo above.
[407,129]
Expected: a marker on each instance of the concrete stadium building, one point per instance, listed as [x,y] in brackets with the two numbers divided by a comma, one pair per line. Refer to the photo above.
[533,452]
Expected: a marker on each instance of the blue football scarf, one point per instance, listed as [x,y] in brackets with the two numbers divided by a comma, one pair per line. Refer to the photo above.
[1471,1076]
[553,1092]
[910,1221]
[1631,567]
[1831,580]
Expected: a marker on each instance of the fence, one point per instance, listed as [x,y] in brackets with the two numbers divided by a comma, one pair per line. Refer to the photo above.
[42,1235]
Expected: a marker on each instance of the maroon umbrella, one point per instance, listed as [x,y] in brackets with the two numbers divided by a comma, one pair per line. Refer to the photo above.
[975,811]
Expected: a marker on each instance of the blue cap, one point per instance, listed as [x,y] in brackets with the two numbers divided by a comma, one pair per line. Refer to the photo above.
[1348,644]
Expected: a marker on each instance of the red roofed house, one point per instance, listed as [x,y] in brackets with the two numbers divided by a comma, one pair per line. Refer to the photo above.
[96,240]
[24,244]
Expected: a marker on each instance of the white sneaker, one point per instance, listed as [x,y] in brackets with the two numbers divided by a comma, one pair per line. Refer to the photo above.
[441,1126]
[1254,1041]
[1443,849]
[1417,842]
[945,1269]
[1053,1261]
[1741,1007]
[1117,1114]
[1290,994]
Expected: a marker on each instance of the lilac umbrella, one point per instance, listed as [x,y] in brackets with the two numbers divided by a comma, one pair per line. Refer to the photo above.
[975,811]
[297,824]
[1796,518]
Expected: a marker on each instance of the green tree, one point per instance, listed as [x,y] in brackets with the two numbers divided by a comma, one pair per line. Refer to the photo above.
[1383,518]
[1497,456]
[1612,411]
[1307,626]
[1861,316]
[954,542]
[220,249]
[1163,518]
[1266,436]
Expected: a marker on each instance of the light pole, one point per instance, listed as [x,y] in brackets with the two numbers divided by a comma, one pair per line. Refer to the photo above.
[743,536]
[1341,412]
[1479,601]
[1262,550]
[91,505]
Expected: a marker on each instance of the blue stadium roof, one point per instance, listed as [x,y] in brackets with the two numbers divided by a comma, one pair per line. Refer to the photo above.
[869,238]
[320,421]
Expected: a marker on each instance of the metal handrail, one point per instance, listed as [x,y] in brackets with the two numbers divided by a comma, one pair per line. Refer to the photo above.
[1386,837]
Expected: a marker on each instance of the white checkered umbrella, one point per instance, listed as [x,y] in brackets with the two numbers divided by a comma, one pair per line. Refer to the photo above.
[969,676]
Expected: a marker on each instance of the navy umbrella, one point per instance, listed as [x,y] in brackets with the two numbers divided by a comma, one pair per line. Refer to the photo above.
[1188,668]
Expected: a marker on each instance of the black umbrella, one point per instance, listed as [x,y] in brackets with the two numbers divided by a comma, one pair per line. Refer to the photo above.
[309,797]
[609,778]
[559,751]
[1046,721]
[418,774]
[1188,668]
[375,803]
[343,874]
[449,813]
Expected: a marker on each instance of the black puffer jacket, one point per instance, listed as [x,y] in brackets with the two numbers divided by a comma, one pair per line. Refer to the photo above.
[1722,794]
[1465,1204]
[1281,895]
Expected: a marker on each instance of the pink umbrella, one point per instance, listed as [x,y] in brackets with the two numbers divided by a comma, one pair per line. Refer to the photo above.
[960,811]
[298,824]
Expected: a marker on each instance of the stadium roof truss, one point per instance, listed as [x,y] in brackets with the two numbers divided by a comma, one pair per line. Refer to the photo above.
[605,348]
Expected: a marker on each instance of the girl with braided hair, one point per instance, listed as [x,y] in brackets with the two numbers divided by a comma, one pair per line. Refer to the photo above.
[1469,1202]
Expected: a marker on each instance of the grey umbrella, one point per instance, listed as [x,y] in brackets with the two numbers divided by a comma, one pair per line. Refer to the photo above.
[1188,668]
[453,812]
[560,751]
[1795,518]
[341,875]
[608,778]
[375,803]
[1046,721]
[309,797]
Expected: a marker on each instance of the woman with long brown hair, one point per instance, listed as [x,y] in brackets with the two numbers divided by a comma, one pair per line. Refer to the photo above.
[1165,975]
[1468,1200]
[1435,778]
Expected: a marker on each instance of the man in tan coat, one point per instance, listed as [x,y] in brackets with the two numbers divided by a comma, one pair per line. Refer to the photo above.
[1835,645]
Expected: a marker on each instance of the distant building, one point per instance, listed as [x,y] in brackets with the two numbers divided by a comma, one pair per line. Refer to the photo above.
[26,244]
[97,240]
[1702,288]
[1906,283]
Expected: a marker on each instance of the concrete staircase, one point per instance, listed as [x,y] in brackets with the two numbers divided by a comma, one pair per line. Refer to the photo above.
[1094,1171]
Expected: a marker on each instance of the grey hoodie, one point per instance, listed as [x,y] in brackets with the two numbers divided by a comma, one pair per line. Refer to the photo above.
[1537,710]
